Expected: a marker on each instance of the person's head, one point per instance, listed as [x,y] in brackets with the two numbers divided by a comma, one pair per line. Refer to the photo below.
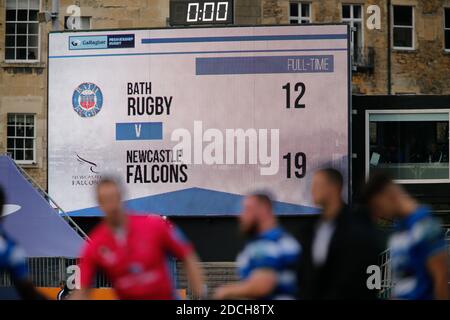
[62,284]
[109,198]
[383,196]
[327,187]
[257,214]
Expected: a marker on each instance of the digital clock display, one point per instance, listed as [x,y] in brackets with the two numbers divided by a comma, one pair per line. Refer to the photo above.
[201,12]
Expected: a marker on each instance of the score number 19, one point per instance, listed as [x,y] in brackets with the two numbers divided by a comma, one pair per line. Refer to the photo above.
[295,163]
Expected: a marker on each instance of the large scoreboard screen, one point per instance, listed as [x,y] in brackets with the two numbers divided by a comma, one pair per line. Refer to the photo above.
[193,119]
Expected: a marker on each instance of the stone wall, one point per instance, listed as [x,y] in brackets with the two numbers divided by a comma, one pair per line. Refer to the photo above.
[425,70]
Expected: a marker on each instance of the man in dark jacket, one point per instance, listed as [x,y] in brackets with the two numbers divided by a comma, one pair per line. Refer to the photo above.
[340,246]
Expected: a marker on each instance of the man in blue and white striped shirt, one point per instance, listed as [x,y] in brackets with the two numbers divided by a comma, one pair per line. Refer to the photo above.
[268,262]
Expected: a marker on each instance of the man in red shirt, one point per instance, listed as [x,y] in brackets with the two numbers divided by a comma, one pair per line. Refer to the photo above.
[133,251]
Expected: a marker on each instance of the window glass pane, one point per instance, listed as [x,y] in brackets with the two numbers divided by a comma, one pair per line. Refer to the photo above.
[21,28]
[21,41]
[32,53]
[29,155]
[32,41]
[294,9]
[20,131]
[10,54]
[293,21]
[11,131]
[33,28]
[11,119]
[32,15]
[10,143]
[356,11]
[409,148]
[403,37]
[403,16]
[22,15]
[21,53]
[29,119]
[11,15]
[20,119]
[447,39]
[345,11]
[305,10]
[10,28]
[29,131]
[447,17]
[20,143]
[10,41]
[22,4]
[11,153]
[11,4]
[29,143]
[19,154]
[34,4]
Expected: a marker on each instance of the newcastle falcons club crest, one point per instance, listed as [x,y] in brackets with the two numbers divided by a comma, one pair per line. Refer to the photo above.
[87,100]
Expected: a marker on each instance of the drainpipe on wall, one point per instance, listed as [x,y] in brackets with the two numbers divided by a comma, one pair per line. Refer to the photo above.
[54,13]
[389,49]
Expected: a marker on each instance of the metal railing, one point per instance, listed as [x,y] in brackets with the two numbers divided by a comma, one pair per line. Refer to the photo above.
[386,275]
[50,200]
[49,272]
[387,281]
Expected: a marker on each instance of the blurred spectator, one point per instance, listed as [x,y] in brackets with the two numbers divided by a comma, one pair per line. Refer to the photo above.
[417,246]
[340,246]
[267,263]
[132,251]
[64,293]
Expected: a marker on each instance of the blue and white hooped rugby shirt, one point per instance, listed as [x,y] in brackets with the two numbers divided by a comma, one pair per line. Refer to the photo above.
[277,250]
[415,239]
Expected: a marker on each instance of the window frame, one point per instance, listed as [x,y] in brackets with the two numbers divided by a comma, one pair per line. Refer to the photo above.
[445,28]
[23,162]
[27,61]
[413,28]
[299,18]
[399,111]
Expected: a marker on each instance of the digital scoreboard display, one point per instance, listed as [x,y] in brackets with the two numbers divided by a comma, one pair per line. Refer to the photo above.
[193,119]
[201,12]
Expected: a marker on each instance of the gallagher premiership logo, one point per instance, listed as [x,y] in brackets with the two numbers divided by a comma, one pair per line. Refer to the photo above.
[87,100]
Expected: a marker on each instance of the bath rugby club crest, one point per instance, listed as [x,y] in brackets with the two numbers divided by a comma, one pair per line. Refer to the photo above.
[87,100]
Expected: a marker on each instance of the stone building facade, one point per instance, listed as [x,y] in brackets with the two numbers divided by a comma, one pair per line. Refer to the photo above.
[423,69]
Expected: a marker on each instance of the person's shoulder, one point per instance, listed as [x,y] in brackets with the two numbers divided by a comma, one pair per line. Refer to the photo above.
[288,243]
[148,221]
[279,243]
[99,232]
[428,227]
[146,218]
